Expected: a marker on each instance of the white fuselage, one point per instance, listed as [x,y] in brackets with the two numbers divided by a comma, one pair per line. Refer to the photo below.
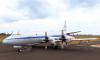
[23,40]
[31,40]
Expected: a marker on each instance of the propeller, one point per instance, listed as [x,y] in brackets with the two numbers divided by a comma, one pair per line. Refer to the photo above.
[46,40]
[63,39]
[9,34]
[73,32]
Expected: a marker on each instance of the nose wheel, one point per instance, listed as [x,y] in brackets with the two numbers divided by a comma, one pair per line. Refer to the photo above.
[19,50]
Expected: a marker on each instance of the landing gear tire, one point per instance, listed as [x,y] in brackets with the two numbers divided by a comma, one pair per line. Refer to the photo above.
[32,46]
[56,47]
[19,50]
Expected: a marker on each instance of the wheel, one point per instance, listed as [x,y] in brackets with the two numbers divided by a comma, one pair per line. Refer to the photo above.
[56,47]
[19,50]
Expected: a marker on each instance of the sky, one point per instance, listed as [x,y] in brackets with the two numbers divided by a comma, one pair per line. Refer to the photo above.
[36,16]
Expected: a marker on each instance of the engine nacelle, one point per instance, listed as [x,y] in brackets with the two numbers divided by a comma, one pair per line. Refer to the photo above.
[53,42]
[18,47]
[69,38]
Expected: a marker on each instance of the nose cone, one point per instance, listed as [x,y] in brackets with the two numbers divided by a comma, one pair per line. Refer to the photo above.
[5,41]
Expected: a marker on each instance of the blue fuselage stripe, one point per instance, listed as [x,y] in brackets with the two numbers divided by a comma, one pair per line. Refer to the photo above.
[35,37]
[30,37]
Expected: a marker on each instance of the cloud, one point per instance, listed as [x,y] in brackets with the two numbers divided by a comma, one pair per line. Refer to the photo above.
[31,27]
[83,3]
[7,8]
[30,15]
[34,8]
[16,10]
[85,18]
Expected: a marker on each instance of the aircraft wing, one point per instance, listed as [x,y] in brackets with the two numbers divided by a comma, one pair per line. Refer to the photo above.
[79,39]
[83,40]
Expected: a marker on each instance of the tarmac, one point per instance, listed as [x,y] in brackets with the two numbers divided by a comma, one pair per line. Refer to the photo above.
[39,53]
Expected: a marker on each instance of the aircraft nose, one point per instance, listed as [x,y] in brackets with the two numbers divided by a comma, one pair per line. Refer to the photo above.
[1,40]
[5,41]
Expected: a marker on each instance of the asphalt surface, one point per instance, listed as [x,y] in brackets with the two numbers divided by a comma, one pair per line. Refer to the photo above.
[38,53]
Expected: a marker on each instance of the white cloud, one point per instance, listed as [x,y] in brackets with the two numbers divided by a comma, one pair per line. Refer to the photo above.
[30,26]
[79,18]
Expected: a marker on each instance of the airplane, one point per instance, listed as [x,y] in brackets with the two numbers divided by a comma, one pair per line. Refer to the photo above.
[19,41]
[57,41]
[62,40]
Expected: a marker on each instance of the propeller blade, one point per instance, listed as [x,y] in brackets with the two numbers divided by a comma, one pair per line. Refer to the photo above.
[63,39]
[46,37]
[73,32]
[10,34]
[46,40]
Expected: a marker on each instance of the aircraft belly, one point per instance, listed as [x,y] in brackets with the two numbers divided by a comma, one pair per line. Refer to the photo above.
[23,41]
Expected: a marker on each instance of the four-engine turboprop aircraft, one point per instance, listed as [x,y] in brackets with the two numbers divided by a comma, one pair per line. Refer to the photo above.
[19,41]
